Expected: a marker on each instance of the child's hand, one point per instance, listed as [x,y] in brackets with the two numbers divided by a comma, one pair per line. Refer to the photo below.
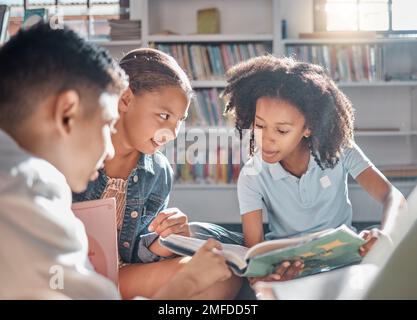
[170,221]
[370,236]
[166,222]
[286,271]
[200,272]
[206,266]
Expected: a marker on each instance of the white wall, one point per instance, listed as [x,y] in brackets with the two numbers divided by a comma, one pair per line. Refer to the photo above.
[221,205]
[299,16]
[236,16]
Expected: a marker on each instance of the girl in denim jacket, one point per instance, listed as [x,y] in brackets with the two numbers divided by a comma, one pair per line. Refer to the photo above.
[140,177]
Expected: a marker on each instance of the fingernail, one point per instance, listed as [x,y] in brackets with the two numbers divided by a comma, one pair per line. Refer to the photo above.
[277,277]
[286,264]
[150,228]
[297,264]
[361,249]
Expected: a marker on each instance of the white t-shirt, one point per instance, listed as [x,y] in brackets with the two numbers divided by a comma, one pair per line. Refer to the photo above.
[43,246]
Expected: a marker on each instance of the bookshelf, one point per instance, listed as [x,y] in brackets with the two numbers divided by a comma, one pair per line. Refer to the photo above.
[211,38]
[118,43]
[386,111]
[385,103]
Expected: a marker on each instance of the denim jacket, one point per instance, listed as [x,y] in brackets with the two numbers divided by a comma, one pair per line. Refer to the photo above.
[148,188]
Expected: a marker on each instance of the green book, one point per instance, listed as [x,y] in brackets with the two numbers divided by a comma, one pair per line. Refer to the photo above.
[322,251]
[35,15]
[208,21]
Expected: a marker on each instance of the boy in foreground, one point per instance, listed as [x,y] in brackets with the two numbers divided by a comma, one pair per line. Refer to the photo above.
[58,106]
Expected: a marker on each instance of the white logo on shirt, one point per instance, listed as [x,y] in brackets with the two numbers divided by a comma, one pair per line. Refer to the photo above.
[325,182]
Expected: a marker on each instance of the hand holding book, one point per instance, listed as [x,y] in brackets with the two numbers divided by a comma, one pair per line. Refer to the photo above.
[189,280]
[286,271]
[290,270]
[370,236]
[166,222]
[319,252]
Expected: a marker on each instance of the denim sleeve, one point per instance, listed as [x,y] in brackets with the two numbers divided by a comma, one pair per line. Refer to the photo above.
[164,185]
[144,254]
[77,197]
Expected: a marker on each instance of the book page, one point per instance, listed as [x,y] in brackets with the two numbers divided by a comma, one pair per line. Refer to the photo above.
[231,252]
[240,251]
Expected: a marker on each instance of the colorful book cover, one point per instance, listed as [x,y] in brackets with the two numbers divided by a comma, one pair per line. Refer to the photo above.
[322,251]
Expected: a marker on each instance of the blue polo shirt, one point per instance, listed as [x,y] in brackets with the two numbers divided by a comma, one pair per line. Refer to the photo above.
[296,206]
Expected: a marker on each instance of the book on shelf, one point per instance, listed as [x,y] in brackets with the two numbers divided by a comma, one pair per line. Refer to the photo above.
[344,62]
[121,29]
[99,219]
[211,61]
[35,15]
[208,110]
[206,173]
[322,251]
[4,22]
[208,21]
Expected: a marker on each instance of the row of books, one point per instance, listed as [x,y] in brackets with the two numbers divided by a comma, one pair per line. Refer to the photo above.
[211,61]
[229,173]
[356,62]
[206,173]
[207,109]
[125,29]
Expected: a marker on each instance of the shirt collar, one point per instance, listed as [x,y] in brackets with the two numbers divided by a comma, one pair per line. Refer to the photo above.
[278,172]
[146,163]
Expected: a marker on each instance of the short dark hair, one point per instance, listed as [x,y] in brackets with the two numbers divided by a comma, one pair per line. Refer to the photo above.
[150,69]
[328,112]
[41,61]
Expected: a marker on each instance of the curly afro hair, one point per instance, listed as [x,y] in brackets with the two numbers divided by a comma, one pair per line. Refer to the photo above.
[327,111]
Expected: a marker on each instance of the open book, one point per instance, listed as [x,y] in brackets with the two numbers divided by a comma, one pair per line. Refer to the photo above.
[99,219]
[321,251]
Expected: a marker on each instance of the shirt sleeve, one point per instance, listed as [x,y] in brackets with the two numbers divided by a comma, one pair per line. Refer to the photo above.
[355,161]
[250,198]
[46,233]
[145,255]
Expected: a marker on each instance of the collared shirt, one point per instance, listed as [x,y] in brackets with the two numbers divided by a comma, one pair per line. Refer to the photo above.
[316,201]
[43,246]
[147,193]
